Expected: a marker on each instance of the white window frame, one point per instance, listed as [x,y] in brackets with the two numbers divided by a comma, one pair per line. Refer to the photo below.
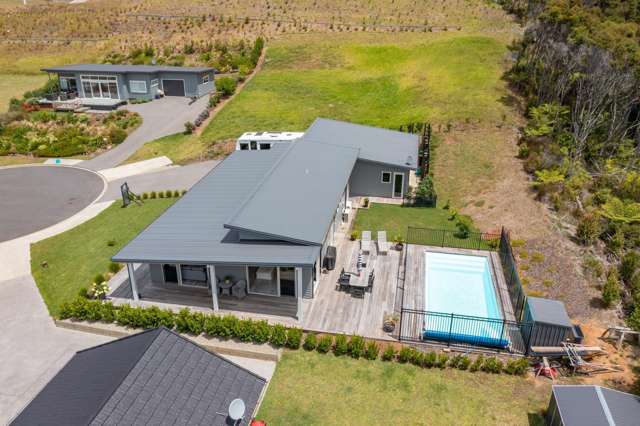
[132,90]
[89,78]
[205,79]
[382,177]
[393,186]
[155,82]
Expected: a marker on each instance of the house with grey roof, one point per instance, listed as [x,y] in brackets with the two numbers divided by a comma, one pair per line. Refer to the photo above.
[266,219]
[113,84]
[589,405]
[153,377]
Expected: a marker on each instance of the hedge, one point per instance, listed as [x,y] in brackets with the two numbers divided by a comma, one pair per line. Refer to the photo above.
[260,331]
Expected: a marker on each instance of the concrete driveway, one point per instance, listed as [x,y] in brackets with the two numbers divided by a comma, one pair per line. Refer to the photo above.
[35,197]
[161,117]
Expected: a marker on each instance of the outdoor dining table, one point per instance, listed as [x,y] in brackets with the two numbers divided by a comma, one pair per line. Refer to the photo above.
[358,283]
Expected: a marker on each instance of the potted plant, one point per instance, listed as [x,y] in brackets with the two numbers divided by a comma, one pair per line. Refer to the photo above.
[365,202]
[354,235]
[389,322]
[228,280]
[399,240]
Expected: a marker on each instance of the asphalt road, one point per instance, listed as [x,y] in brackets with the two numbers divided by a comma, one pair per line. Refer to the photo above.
[34,198]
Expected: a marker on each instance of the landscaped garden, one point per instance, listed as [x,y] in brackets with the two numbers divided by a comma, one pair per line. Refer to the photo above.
[317,389]
[54,134]
[66,263]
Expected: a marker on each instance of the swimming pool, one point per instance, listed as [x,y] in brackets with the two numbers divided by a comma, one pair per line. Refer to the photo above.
[461,285]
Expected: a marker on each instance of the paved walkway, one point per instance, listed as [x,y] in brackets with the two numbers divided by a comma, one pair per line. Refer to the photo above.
[35,197]
[161,117]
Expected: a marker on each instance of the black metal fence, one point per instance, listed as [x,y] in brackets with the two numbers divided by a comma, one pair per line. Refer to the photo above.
[510,272]
[464,331]
[453,239]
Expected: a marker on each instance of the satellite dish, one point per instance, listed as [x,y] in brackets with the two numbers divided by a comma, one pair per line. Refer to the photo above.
[236,409]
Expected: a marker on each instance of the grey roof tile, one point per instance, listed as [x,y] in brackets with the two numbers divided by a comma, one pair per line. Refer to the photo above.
[124,69]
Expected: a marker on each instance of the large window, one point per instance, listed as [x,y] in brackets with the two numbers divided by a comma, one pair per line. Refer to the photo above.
[386,177]
[100,86]
[154,82]
[205,78]
[138,86]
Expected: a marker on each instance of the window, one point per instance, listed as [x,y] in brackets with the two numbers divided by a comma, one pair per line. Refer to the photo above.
[265,146]
[138,86]
[244,146]
[205,78]
[100,86]
[254,145]
[386,177]
[154,82]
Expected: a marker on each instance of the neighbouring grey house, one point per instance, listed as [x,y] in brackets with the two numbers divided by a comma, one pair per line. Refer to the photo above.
[588,405]
[153,377]
[268,216]
[123,82]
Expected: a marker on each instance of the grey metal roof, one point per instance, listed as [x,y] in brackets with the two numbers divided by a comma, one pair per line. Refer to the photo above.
[375,144]
[548,311]
[297,199]
[123,69]
[192,230]
[587,405]
[153,377]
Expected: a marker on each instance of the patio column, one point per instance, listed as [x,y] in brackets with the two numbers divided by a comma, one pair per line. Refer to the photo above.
[132,281]
[298,273]
[214,287]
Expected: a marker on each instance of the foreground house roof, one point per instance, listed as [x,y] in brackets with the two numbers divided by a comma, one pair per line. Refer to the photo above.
[585,405]
[124,69]
[153,377]
[374,143]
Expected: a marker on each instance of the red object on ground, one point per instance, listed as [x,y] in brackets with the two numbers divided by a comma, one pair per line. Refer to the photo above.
[255,422]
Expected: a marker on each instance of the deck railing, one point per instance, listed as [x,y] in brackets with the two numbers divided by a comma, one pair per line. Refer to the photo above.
[510,272]
[453,239]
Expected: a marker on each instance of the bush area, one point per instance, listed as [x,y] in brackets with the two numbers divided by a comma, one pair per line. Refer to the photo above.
[61,134]
[386,393]
[225,56]
[247,330]
[578,71]
[67,263]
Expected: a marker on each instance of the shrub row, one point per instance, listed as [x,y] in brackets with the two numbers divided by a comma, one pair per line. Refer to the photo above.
[247,330]
[163,194]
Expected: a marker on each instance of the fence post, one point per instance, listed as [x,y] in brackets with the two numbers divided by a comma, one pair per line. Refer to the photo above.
[400,329]
[450,327]
[479,240]
[443,234]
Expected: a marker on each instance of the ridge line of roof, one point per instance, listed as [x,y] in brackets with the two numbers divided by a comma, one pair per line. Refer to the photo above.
[274,166]
[605,406]
[362,125]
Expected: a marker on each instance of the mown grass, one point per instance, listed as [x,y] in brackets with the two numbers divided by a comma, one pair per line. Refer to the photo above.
[314,389]
[179,148]
[73,258]
[14,85]
[395,219]
[15,160]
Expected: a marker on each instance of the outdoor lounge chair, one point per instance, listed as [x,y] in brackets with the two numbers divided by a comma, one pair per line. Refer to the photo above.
[371,279]
[383,245]
[239,289]
[365,242]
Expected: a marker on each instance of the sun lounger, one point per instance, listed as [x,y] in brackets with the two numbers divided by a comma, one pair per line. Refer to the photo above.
[383,245]
[365,242]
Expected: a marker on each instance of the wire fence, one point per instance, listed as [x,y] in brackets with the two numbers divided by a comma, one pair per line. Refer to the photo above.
[453,239]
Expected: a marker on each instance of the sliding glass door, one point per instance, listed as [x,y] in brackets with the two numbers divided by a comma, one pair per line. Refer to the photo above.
[272,281]
[100,86]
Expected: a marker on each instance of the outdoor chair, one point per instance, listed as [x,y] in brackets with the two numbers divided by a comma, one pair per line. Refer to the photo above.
[372,277]
[383,245]
[357,291]
[365,242]
[239,289]
[344,280]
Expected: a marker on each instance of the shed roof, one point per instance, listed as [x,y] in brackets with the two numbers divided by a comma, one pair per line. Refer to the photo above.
[124,69]
[192,230]
[296,200]
[588,405]
[153,377]
[548,311]
[374,143]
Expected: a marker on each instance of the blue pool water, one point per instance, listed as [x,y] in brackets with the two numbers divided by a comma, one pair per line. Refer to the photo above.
[461,285]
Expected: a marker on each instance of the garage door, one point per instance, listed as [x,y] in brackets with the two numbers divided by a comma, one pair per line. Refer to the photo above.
[173,87]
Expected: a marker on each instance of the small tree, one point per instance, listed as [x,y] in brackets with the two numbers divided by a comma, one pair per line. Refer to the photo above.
[226,86]
[189,128]
[588,228]
[425,193]
[611,288]
[629,266]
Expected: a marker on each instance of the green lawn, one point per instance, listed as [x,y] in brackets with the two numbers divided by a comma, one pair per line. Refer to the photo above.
[314,389]
[76,256]
[395,219]
[14,85]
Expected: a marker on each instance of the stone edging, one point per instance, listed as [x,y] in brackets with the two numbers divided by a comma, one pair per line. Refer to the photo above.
[225,347]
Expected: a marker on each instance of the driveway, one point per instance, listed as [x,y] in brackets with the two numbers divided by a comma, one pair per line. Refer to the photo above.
[161,117]
[35,197]
[183,177]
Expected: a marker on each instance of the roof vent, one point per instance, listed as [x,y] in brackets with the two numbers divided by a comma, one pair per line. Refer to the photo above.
[409,160]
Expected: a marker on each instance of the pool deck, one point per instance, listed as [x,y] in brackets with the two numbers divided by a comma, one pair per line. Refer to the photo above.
[411,290]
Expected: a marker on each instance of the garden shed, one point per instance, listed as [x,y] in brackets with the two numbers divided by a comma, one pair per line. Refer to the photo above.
[551,323]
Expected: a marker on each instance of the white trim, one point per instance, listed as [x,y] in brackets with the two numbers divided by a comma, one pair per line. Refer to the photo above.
[90,78]
[179,273]
[135,91]
[298,281]
[605,406]
[184,84]
[382,176]
[214,286]
[393,186]
[132,281]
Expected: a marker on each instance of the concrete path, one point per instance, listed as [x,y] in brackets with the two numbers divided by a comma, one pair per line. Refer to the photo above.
[161,117]
[173,178]
[35,197]
[139,167]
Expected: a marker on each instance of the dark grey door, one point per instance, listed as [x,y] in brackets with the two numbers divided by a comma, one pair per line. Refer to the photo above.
[170,273]
[398,185]
[173,87]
